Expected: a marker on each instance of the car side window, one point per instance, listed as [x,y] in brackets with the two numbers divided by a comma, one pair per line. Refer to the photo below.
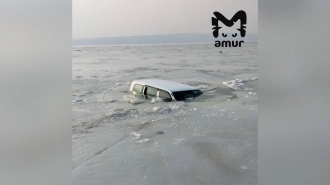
[151,91]
[164,95]
[138,88]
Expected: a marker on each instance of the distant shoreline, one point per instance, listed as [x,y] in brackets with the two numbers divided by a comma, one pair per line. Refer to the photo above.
[171,39]
[169,44]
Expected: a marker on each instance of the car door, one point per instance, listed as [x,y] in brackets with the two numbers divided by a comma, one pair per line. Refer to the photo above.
[138,90]
[164,95]
[150,92]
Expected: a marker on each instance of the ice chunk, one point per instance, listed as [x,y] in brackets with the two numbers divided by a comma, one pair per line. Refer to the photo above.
[238,84]
[143,140]
[244,167]
[155,109]
[135,135]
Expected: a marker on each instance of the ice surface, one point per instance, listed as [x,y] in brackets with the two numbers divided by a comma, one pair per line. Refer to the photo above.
[207,140]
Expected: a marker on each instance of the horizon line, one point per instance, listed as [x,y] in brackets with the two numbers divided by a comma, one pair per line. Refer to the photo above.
[149,35]
[172,43]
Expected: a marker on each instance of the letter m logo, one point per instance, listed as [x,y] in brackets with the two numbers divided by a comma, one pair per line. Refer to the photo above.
[240,15]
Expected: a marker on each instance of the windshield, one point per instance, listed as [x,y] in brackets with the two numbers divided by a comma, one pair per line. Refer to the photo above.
[181,95]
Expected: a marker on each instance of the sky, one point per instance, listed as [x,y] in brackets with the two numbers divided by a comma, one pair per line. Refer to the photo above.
[115,18]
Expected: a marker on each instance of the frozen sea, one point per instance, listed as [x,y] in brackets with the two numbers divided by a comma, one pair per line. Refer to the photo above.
[208,140]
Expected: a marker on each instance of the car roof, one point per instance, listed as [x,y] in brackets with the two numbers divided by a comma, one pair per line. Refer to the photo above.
[165,85]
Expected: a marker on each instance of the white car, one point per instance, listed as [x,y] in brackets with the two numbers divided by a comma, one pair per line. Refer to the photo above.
[166,90]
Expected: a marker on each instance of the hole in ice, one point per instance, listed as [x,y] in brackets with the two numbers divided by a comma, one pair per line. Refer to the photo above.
[161,132]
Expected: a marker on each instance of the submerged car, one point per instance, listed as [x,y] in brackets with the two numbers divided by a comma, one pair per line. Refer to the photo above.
[166,90]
